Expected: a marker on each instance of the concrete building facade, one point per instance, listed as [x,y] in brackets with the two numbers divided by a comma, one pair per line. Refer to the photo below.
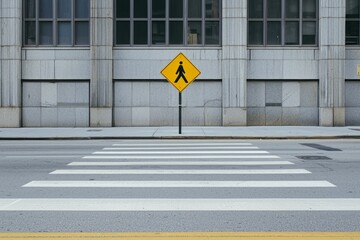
[95,63]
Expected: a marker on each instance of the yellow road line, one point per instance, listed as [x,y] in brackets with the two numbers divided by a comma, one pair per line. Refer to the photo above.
[186,235]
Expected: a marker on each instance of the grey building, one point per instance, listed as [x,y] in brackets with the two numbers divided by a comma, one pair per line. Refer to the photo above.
[79,63]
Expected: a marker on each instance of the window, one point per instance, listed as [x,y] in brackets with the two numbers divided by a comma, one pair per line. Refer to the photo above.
[56,22]
[352,22]
[167,22]
[282,22]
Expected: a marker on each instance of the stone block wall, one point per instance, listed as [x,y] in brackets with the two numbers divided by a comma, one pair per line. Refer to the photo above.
[155,103]
[276,103]
[10,62]
[55,104]
[352,103]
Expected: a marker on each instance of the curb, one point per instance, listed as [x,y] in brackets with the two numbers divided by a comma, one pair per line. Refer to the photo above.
[184,137]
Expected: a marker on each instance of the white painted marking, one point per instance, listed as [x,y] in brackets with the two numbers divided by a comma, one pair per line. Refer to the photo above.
[188,163]
[183,144]
[4,203]
[45,156]
[178,148]
[186,157]
[183,172]
[180,184]
[180,152]
[141,205]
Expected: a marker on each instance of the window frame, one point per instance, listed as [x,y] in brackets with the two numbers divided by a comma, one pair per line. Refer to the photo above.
[55,20]
[185,21]
[283,22]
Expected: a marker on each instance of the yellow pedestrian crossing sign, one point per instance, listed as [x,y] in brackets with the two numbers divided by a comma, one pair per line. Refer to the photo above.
[180,72]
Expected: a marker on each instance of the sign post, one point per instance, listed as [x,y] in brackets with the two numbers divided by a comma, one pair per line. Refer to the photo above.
[180,105]
[180,72]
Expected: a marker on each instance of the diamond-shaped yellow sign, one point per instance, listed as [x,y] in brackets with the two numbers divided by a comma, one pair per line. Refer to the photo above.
[180,72]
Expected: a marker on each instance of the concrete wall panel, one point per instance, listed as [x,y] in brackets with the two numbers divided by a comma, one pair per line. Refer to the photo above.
[291,94]
[128,62]
[309,96]
[286,103]
[155,103]
[31,94]
[55,104]
[352,111]
[57,64]
[283,64]
[122,116]
[351,63]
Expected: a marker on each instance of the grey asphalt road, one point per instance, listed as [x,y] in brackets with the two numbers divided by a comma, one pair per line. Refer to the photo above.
[334,161]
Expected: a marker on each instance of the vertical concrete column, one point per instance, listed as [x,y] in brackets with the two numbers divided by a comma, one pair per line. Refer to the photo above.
[332,63]
[10,65]
[234,62]
[101,41]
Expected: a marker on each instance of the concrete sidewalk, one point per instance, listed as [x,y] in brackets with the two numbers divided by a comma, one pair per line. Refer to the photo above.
[283,132]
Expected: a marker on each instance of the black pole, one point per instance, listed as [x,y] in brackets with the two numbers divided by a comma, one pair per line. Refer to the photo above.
[180,112]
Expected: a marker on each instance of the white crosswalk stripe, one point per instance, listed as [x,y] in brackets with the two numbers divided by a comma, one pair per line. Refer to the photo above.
[184,163]
[185,157]
[178,152]
[251,204]
[180,184]
[169,158]
[182,172]
[175,144]
[182,148]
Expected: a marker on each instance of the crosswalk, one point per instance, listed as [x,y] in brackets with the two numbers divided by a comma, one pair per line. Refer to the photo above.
[179,184]
[183,172]
[183,159]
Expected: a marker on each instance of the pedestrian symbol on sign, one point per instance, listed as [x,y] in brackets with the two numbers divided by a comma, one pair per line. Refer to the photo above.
[181,73]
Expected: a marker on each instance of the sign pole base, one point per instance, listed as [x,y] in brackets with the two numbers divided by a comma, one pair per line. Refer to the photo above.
[180,105]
